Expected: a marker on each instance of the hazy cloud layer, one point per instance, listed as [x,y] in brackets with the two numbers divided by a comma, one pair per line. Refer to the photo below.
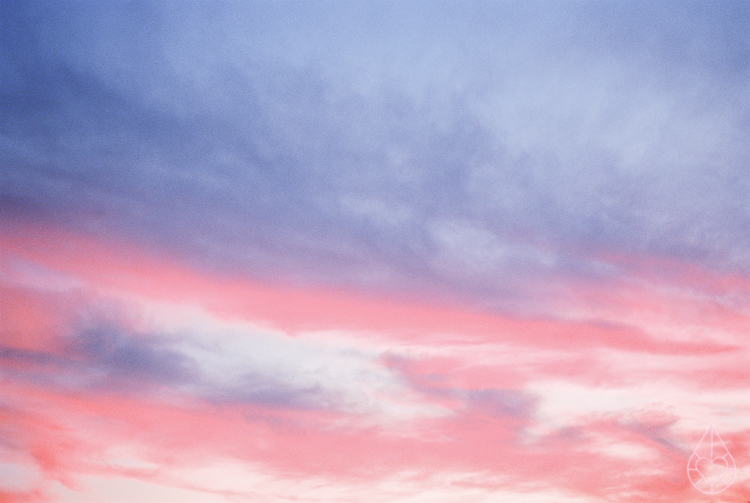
[386,145]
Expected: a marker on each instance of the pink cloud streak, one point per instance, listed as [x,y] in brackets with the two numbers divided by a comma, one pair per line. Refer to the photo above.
[481,370]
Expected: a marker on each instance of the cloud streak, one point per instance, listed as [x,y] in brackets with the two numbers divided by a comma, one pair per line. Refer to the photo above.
[526,403]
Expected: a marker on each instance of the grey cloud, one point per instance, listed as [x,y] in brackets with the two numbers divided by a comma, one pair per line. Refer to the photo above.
[500,402]
[264,389]
[104,356]
[127,356]
[489,401]
[27,356]
[115,358]
[337,144]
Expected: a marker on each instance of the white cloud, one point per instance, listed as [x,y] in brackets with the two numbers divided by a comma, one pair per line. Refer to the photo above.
[227,480]
[242,361]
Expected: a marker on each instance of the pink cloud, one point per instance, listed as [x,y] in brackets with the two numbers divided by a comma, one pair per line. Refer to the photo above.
[482,384]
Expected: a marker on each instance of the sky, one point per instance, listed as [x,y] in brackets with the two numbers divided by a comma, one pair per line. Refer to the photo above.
[406,252]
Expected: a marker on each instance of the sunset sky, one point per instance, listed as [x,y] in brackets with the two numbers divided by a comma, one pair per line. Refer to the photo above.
[374,252]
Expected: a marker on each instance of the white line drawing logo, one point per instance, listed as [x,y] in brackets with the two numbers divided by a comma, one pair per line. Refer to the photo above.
[711,468]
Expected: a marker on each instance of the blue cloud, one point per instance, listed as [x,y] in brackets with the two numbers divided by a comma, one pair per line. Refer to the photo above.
[121,356]
[338,144]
